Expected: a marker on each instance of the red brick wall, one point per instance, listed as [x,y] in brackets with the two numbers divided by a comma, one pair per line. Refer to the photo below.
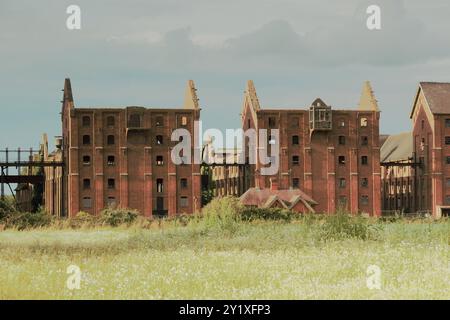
[318,170]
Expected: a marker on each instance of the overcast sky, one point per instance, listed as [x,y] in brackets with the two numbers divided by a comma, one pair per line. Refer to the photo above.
[143,52]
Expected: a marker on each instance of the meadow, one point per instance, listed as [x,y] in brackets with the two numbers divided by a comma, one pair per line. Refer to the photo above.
[299,259]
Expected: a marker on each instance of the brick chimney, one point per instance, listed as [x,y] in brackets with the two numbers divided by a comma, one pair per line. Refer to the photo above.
[273,184]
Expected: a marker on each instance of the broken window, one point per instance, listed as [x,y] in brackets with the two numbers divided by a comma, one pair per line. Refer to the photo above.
[364,160]
[363,122]
[86,184]
[110,140]
[159,121]
[364,140]
[111,160]
[159,139]
[111,183]
[134,121]
[159,160]
[295,160]
[183,183]
[342,183]
[295,183]
[159,185]
[86,121]
[86,140]
[341,160]
[86,160]
[295,140]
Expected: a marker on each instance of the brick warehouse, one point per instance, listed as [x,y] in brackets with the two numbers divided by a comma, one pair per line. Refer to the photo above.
[431,145]
[119,156]
[122,157]
[332,155]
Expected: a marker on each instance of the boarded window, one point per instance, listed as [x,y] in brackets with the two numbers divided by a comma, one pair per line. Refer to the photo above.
[184,121]
[87,202]
[342,183]
[111,202]
[184,202]
[364,182]
[364,200]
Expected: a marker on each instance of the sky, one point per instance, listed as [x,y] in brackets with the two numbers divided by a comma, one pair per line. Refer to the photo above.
[142,53]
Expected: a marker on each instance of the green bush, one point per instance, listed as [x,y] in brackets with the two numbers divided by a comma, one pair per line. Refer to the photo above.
[222,214]
[253,213]
[118,216]
[6,208]
[343,225]
[27,220]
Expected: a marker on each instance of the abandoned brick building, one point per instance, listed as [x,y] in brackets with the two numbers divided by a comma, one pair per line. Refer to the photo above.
[122,156]
[397,174]
[328,158]
[431,148]
[332,155]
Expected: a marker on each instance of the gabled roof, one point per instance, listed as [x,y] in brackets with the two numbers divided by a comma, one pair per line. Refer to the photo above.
[266,197]
[437,95]
[397,147]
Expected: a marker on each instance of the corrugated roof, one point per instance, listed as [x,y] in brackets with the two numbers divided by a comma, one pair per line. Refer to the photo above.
[397,147]
[437,95]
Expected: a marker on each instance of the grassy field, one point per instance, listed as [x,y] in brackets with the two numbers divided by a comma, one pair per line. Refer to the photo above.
[267,260]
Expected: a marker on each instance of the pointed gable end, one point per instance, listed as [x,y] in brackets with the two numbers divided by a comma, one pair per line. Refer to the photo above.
[368,102]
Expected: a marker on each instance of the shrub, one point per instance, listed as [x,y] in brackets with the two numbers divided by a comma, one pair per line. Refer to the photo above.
[222,214]
[253,213]
[343,225]
[6,208]
[118,216]
[28,220]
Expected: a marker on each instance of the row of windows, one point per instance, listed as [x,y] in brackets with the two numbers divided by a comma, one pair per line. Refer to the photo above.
[134,121]
[295,122]
[159,184]
[343,182]
[111,201]
[295,140]
[342,201]
[111,160]
[110,140]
